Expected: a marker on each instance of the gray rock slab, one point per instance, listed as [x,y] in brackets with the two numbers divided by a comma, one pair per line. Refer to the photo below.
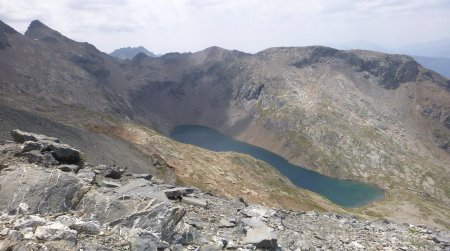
[44,190]
[140,189]
[162,218]
[194,201]
[259,234]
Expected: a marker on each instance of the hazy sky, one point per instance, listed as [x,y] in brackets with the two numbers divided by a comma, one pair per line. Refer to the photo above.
[248,25]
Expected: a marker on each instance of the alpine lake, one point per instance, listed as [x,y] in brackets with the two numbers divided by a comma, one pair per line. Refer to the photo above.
[345,193]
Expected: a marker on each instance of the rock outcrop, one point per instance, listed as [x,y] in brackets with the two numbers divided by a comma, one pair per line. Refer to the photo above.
[56,207]
[46,150]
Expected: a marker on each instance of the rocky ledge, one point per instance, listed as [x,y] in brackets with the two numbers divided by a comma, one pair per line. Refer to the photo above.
[52,200]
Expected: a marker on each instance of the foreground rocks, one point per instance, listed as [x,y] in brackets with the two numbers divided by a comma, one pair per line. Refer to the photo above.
[46,150]
[83,207]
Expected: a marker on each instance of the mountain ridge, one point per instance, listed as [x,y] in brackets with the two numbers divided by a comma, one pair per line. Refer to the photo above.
[437,62]
[359,115]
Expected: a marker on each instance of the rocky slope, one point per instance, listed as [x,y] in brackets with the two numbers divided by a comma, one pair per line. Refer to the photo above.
[51,199]
[360,115]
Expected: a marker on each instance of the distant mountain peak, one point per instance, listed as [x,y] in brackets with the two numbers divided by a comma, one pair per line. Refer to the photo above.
[39,30]
[131,52]
[36,24]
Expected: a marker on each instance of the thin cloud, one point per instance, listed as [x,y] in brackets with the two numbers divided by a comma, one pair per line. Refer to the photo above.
[97,5]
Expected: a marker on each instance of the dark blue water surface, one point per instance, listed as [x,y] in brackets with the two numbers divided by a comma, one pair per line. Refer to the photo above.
[342,192]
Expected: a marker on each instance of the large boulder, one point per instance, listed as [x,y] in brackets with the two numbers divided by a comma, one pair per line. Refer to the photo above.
[65,154]
[35,143]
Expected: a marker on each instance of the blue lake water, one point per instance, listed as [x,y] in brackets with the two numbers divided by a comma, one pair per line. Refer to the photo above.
[342,192]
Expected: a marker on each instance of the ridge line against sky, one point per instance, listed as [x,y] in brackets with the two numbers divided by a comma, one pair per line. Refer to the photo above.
[247,25]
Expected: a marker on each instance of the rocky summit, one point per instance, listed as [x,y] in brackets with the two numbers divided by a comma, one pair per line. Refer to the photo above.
[49,202]
[131,52]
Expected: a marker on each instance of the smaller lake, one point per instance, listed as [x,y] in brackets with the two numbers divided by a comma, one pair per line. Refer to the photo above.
[342,192]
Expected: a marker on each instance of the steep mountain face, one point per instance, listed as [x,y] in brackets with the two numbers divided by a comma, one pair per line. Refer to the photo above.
[354,114]
[131,52]
[178,87]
